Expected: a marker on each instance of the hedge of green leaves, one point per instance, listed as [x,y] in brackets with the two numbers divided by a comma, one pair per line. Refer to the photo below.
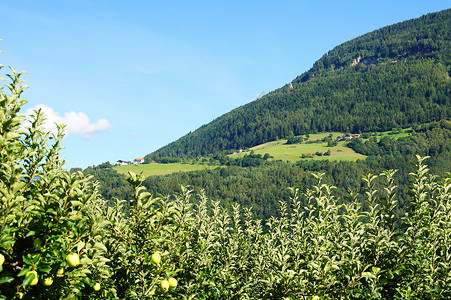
[320,247]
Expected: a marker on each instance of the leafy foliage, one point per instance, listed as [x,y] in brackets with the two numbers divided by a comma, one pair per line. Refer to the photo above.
[112,184]
[320,247]
[45,212]
[153,225]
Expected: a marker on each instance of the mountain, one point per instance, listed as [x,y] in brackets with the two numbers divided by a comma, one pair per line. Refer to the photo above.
[396,76]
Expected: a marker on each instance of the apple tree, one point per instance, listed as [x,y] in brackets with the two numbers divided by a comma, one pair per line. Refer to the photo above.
[46,213]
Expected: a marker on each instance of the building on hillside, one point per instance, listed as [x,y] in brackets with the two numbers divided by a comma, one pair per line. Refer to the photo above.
[122,163]
[138,161]
[348,136]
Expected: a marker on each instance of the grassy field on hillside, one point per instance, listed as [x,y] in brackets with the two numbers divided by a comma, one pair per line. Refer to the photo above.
[294,152]
[404,133]
[161,169]
[280,150]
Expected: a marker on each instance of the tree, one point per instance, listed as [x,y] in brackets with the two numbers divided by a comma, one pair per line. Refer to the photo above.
[46,212]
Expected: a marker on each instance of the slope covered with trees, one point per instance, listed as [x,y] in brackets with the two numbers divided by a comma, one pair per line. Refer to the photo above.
[262,186]
[396,76]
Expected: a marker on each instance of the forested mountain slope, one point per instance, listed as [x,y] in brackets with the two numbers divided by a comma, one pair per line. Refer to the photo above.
[262,187]
[396,76]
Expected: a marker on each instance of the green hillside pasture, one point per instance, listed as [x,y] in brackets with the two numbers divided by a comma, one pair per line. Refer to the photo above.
[280,150]
[161,169]
[390,134]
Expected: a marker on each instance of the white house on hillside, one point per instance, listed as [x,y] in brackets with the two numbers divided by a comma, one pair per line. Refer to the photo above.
[122,163]
[138,161]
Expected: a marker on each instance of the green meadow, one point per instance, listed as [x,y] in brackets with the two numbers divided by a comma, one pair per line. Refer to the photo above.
[293,152]
[161,169]
[278,149]
[391,134]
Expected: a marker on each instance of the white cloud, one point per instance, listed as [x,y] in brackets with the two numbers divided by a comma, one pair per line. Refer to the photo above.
[77,123]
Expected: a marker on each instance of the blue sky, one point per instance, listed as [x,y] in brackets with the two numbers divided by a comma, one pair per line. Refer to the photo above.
[129,77]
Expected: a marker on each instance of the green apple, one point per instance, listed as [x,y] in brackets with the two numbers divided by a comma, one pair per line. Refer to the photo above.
[172,282]
[73,260]
[96,287]
[48,281]
[156,258]
[60,271]
[35,280]
[37,243]
[165,286]
[2,259]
